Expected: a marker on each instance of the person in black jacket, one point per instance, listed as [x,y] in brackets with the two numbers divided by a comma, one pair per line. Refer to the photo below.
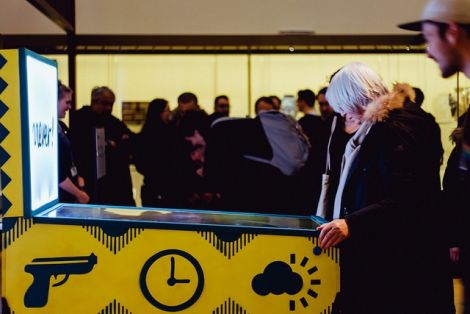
[385,202]
[115,187]
[415,105]
[310,122]
[454,185]
[191,134]
[70,183]
[154,156]
[317,129]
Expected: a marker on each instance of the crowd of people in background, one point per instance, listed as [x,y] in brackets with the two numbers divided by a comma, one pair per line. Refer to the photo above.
[187,156]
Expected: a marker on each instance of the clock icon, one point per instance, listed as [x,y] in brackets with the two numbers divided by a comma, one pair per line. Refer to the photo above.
[172,280]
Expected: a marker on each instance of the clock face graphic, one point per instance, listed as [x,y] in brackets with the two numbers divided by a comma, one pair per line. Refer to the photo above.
[172,280]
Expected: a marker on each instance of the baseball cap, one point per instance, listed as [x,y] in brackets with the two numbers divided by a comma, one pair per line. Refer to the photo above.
[442,11]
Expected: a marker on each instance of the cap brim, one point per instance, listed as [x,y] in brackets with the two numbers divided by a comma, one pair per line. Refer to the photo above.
[413,26]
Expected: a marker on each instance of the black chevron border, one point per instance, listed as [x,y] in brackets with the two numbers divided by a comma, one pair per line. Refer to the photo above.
[229,307]
[228,248]
[114,307]
[114,243]
[14,228]
[327,311]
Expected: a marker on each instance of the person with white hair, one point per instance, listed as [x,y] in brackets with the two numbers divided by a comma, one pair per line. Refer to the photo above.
[383,183]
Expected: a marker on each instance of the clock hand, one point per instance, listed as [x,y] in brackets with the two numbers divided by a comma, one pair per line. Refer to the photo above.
[172,280]
[172,268]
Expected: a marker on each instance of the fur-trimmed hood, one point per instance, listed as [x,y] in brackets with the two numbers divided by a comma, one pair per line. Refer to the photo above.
[379,110]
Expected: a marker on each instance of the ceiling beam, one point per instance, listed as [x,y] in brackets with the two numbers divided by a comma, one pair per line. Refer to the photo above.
[246,40]
[61,12]
[38,43]
[214,44]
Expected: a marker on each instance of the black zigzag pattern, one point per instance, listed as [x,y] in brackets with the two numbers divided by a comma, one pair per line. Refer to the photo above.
[114,243]
[229,307]
[13,228]
[114,307]
[327,311]
[3,61]
[227,248]
[4,156]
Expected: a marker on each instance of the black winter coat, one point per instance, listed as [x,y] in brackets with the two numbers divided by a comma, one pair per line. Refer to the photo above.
[115,188]
[394,260]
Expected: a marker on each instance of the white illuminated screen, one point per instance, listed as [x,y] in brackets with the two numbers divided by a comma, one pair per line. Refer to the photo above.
[42,115]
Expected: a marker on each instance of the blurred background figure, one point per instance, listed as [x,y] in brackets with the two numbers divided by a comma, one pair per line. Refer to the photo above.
[187,101]
[115,187]
[317,130]
[414,104]
[70,183]
[254,163]
[306,101]
[190,143]
[276,101]
[154,156]
[326,112]
[263,104]
[419,96]
[311,123]
[221,108]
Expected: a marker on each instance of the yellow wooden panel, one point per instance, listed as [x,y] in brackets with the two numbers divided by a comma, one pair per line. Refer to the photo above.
[255,273]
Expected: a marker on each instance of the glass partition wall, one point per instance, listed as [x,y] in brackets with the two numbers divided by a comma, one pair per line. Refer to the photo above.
[246,77]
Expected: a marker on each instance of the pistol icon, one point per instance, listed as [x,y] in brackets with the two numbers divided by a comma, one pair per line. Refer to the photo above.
[43,268]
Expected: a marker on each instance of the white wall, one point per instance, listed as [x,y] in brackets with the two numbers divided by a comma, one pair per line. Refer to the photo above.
[140,78]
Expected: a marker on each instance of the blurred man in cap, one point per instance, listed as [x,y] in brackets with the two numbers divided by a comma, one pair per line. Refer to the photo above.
[445,25]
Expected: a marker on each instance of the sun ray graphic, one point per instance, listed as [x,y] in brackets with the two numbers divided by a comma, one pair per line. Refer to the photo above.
[313,282]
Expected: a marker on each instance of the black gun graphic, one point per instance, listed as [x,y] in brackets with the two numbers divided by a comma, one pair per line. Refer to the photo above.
[43,268]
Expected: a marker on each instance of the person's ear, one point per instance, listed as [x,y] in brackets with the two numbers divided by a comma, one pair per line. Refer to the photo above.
[452,33]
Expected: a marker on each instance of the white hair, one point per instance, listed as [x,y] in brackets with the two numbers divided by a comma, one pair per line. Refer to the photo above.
[353,87]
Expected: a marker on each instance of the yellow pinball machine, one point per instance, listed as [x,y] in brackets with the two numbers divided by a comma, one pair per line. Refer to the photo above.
[70,258]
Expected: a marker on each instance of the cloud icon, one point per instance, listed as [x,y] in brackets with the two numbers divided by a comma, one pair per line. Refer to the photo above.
[277,278]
